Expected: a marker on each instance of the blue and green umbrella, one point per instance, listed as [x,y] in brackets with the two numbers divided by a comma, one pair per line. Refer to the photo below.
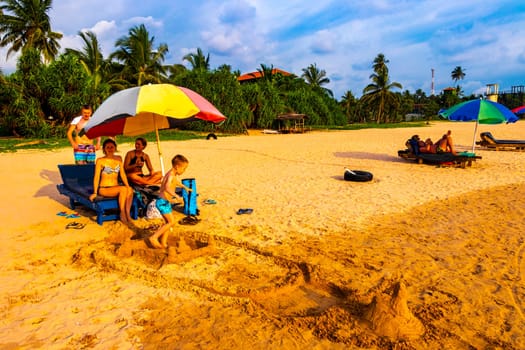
[480,111]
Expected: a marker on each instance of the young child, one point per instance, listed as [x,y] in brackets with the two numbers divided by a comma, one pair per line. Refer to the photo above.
[167,197]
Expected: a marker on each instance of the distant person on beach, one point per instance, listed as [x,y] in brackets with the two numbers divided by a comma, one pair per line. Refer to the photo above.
[167,197]
[108,169]
[83,148]
[135,161]
[444,145]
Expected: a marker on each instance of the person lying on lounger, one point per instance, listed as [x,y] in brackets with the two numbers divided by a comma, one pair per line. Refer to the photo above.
[444,145]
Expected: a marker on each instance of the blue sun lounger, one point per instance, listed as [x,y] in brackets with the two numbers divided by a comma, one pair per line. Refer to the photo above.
[78,185]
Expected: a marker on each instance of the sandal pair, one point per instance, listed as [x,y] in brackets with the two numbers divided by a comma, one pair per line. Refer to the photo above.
[76,225]
[189,220]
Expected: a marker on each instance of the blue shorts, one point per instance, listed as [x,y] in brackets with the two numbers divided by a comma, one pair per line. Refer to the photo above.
[85,154]
[163,206]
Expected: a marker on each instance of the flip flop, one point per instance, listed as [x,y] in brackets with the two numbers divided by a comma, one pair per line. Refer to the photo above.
[76,225]
[62,213]
[244,211]
[189,220]
[73,216]
[210,201]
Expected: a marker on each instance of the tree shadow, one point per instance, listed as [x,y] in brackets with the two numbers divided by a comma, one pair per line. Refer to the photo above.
[369,155]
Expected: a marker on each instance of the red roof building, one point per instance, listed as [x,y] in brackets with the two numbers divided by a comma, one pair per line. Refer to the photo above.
[257,75]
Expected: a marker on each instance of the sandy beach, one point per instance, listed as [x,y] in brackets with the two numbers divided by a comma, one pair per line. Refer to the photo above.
[421,257]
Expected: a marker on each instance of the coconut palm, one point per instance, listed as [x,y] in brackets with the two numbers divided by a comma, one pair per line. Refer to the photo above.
[377,94]
[198,61]
[102,80]
[457,74]
[379,65]
[26,24]
[316,77]
[174,70]
[142,62]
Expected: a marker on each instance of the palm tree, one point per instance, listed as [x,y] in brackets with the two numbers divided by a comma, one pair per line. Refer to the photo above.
[101,78]
[266,73]
[316,77]
[198,61]
[457,74]
[174,70]
[26,24]
[91,56]
[348,104]
[142,62]
[377,94]
[379,65]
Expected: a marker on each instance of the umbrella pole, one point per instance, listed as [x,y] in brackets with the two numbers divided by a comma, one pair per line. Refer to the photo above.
[158,146]
[474,139]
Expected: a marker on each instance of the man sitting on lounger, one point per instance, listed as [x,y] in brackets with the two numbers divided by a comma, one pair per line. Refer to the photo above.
[444,145]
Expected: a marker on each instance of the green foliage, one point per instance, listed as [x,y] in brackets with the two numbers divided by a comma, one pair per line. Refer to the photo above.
[25,24]
[222,89]
[66,84]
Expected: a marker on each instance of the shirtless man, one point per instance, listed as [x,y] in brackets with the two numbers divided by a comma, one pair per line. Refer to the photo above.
[83,148]
[443,145]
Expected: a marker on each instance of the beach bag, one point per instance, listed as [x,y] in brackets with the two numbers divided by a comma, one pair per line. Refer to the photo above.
[152,212]
[190,198]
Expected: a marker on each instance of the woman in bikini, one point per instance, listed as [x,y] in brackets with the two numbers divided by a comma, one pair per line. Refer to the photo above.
[106,181]
[134,162]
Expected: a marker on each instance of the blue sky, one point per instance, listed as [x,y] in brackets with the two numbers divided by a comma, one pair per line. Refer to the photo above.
[485,38]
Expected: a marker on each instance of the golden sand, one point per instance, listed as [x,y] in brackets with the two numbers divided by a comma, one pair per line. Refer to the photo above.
[421,257]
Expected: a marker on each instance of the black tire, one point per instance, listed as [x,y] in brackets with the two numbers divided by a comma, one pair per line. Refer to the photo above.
[211,136]
[358,175]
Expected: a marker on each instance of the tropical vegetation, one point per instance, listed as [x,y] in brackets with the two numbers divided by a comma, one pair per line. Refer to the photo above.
[39,99]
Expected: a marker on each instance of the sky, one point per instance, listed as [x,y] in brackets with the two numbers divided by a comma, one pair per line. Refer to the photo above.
[342,37]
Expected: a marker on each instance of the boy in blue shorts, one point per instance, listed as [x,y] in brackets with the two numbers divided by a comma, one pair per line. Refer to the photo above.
[83,148]
[167,197]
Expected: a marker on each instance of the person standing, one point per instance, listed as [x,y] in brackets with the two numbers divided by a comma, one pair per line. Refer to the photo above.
[83,148]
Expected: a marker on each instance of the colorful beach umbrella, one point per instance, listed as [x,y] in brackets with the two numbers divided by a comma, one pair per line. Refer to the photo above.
[148,108]
[480,111]
[518,110]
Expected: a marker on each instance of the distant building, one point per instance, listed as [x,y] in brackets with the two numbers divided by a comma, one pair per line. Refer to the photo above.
[450,90]
[257,75]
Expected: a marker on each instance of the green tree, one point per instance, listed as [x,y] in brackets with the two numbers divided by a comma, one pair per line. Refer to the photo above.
[26,24]
[174,70]
[457,74]
[378,95]
[348,104]
[142,63]
[96,67]
[198,61]
[316,77]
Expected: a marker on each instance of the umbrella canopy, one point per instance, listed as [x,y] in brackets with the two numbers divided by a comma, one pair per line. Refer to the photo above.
[518,110]
[148,108]
[480,111]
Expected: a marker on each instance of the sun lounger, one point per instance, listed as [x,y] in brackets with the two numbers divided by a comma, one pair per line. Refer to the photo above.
[461,160]
[78,186]
[488,141]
